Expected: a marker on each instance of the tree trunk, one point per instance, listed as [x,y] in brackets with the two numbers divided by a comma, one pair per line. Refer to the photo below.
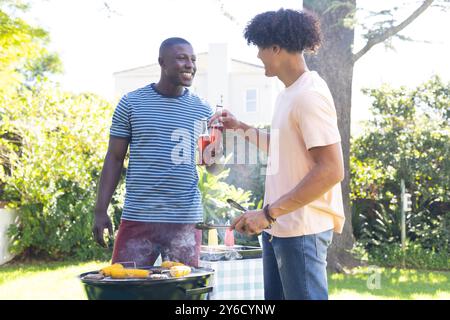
[334,63]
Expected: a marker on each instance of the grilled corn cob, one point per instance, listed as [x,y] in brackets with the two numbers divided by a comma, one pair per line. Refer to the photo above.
[180,271]
[129,273]
[169,264]
[107,270]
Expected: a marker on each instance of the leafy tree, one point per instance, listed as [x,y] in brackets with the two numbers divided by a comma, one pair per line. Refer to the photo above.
[24,56]
[408,138]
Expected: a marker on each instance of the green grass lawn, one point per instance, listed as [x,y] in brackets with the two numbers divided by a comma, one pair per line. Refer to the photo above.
[390,283]
[59,281]
[44,281]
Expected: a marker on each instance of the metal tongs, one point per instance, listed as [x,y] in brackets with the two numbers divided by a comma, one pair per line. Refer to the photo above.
[208,226]
[236,205]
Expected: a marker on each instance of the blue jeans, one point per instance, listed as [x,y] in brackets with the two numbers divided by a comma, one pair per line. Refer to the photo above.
[295,267]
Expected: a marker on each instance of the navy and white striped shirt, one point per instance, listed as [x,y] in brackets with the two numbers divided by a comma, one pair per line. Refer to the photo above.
[161,180]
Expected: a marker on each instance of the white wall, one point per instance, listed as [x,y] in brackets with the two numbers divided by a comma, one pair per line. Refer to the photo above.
[127,82]
[200,86]
[7,217]
[265,96]
[217,74]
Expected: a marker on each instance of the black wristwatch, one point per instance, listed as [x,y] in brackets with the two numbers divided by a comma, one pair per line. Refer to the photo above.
[268,216]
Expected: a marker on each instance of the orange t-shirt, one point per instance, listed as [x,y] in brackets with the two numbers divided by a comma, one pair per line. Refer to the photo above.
[304,117]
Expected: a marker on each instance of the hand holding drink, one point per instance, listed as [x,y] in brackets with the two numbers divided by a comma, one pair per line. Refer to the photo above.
[226,119]
[210,140]
[216,121]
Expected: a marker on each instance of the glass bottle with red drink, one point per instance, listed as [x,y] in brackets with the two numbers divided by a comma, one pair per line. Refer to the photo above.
[203,141]
[209,135]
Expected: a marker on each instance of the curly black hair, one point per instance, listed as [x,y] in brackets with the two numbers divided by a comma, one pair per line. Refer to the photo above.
[294,31]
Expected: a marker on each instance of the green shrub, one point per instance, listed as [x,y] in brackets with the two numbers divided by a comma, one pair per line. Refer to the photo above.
[407,139]
[215,191]
[52,151]
[376,223]
[414,257]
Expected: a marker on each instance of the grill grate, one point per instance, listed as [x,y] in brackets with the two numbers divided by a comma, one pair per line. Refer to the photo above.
[195,273]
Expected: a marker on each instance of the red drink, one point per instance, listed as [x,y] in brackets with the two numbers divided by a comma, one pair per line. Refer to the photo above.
[216,133]
[203,142]
[207,136]
[229,238]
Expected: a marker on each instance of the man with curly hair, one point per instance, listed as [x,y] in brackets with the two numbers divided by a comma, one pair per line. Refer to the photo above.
[303,200]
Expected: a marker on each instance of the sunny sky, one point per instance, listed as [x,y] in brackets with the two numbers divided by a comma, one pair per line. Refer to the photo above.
[94,42]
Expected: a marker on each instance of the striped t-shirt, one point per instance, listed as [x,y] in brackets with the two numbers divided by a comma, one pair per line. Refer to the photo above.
[161,180]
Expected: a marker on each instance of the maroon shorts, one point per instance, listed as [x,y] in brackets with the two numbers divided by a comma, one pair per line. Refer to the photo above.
[143,242]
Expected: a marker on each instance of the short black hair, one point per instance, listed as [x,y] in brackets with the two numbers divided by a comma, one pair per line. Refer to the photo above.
[171,42]
[294,31]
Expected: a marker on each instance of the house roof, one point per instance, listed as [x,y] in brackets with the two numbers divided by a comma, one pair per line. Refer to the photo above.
[236,66]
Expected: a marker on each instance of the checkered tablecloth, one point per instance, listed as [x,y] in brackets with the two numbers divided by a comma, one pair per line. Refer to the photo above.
[236,279]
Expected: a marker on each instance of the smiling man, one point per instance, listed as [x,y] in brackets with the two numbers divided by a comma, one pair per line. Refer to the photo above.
[162,200]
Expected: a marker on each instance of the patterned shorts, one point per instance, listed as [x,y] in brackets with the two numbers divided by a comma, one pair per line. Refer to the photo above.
[143,242]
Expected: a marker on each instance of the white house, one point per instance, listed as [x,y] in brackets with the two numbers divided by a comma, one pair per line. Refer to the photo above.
[239,86]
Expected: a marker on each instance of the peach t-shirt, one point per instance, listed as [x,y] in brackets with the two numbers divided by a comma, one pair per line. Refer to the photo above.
[304,117]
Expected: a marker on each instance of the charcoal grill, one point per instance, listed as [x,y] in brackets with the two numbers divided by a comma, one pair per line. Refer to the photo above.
[194,286]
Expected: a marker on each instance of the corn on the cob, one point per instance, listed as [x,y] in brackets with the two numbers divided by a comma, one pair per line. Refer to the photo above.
[169,264]
[129,273]
[107,270]
[180,271]
[137,273]
[118,273]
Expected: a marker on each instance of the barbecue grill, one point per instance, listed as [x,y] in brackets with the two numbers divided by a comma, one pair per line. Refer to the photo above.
[194,286]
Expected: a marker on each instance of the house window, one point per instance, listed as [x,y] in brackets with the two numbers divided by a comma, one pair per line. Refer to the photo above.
[250,100]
